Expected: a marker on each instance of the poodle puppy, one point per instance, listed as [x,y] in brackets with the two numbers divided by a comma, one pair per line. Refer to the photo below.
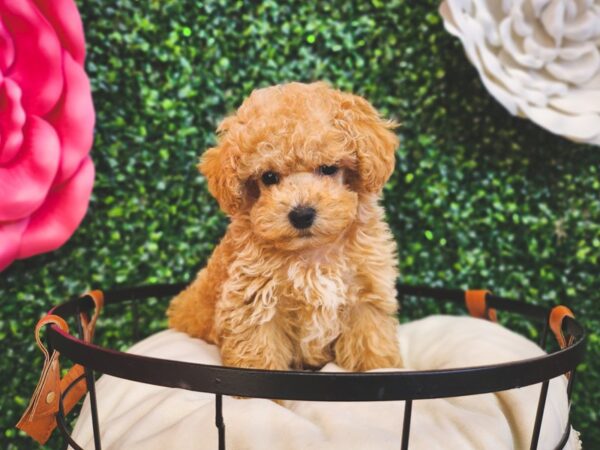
[306,271]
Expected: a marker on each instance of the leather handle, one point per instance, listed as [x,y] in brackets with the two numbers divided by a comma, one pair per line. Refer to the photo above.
[557,315]
[477,304]
[48,319]
[39,419]
[89,326]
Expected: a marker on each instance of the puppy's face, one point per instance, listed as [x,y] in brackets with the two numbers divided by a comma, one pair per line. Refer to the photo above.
[303,208]
[294,159]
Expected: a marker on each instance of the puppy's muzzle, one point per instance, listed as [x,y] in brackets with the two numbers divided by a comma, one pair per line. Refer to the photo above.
[302,217]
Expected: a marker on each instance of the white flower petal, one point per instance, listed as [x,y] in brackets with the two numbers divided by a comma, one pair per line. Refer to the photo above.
[580,127]
[522,24]
[592,84]
[513,44]
[584,27]
[576,50]
[539,50]
[517,81]
[538,6]
[578,102]
[552,18]
[576,71]
[537,80]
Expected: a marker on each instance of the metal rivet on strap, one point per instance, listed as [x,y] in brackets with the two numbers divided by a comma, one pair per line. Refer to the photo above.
[50,397]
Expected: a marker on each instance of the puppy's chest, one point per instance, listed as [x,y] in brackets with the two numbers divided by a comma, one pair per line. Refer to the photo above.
[313,300]
[315,285]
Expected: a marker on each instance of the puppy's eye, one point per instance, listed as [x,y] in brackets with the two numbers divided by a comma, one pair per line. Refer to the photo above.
[270,178]
[328,170]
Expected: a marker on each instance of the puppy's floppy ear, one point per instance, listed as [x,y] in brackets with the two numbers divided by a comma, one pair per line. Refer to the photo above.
[371,137]
[217,164]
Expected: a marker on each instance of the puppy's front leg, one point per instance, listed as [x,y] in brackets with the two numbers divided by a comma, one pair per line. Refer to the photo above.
[369,336]
[369,339]
[261,347]
[249,339]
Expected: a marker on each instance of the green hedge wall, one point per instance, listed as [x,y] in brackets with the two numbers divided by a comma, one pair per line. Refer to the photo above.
[479,198]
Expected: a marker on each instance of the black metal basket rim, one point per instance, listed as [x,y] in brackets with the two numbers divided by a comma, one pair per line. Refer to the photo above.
[320,386]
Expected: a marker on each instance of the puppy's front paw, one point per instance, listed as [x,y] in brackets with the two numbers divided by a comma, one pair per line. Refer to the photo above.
[369,345]
[357,357]
[376,361]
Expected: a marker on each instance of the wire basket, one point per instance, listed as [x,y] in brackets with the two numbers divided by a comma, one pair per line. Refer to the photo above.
[322,386]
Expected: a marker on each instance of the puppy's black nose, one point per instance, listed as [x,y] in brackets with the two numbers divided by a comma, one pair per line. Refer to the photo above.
[302,217]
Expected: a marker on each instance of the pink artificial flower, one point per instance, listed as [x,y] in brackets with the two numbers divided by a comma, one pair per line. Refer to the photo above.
[46,127]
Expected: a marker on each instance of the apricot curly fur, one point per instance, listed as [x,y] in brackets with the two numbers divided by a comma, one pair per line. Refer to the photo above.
[276,297]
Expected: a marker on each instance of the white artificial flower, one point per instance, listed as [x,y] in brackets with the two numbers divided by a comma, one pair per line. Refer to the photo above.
[539,58]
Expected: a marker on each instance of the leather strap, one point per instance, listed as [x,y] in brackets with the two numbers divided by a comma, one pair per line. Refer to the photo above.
[89,326]
[557,315]
[39,419]
[73,394]
[477,304]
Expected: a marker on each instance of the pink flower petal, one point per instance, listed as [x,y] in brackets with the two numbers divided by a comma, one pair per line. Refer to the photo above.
[37,68]
[12,119]
[64,17]
[10,240]
[26,180]
[7,49]
[54,223]
[73,119]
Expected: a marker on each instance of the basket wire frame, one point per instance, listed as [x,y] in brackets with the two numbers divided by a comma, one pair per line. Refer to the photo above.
[235,381]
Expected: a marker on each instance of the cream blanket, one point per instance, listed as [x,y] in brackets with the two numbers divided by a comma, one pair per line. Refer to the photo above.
[139,416]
